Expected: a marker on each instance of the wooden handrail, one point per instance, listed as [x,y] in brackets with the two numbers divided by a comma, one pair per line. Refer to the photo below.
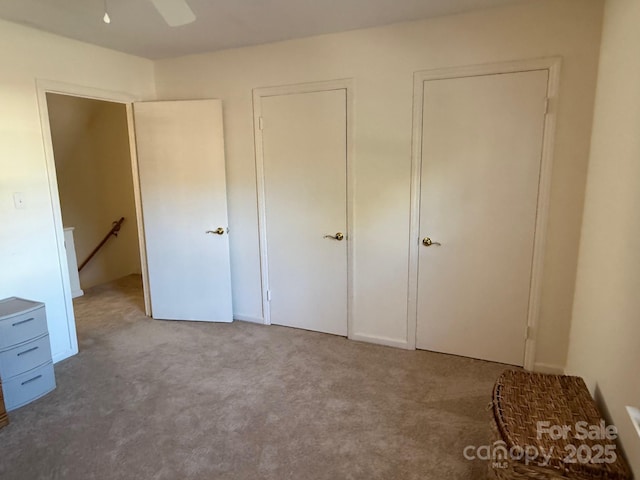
[115,228]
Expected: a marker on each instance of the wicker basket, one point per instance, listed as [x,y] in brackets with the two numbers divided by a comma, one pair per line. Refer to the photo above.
[4,420]
[520,401]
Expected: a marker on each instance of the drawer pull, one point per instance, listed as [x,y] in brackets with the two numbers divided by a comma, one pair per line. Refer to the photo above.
[31,380]
[33,349]
[23,321]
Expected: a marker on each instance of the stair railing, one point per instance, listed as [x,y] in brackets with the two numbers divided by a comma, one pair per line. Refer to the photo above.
[115,228]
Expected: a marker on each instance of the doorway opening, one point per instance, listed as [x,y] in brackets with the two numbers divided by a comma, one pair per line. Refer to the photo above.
[91,146]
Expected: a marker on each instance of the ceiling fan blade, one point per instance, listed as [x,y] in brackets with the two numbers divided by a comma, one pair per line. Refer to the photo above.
[174,12]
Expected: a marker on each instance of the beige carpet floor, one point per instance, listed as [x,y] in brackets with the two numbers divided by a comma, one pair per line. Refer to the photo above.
[148,399]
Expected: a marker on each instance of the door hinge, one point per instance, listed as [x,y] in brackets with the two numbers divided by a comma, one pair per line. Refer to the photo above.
[547,102]
[261,123]
[268,295]
[529,333]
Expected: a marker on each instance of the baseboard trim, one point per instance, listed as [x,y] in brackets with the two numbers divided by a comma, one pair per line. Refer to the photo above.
[389,342]
[547,368]
[248,318]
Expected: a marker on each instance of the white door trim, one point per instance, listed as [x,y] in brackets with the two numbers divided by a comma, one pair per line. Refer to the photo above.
[551,64]
[49,86]
[258,93]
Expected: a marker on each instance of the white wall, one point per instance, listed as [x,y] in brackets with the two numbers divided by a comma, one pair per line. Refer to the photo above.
[95,185]
[605,333]
[28,244]
[382,62]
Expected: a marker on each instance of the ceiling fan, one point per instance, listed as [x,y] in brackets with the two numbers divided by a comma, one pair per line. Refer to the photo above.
[174,12]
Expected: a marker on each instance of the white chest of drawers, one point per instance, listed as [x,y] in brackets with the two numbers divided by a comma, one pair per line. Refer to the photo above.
[26,368]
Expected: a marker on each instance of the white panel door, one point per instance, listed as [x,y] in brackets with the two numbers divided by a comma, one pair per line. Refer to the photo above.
[481,154]
[184,203]
[305,167]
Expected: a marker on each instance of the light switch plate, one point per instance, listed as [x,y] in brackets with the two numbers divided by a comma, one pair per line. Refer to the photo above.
[18,200]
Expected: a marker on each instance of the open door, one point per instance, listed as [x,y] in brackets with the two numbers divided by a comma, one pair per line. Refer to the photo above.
[181,165]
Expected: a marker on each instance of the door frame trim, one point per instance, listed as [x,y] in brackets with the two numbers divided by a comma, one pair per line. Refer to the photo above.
[43,87]
[346,84]
[552,65]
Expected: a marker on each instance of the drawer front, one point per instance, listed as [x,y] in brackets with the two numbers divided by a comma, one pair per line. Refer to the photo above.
[22,327]
[27,387]
[26,357]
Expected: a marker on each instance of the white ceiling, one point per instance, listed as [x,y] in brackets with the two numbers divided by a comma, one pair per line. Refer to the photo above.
[137,28]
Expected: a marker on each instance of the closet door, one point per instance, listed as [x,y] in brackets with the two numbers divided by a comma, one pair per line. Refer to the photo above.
[304,140]
[184,203]
[481,152]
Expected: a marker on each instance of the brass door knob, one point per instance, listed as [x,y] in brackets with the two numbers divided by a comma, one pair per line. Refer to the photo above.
[427,242]
[338,236]
[217,231]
